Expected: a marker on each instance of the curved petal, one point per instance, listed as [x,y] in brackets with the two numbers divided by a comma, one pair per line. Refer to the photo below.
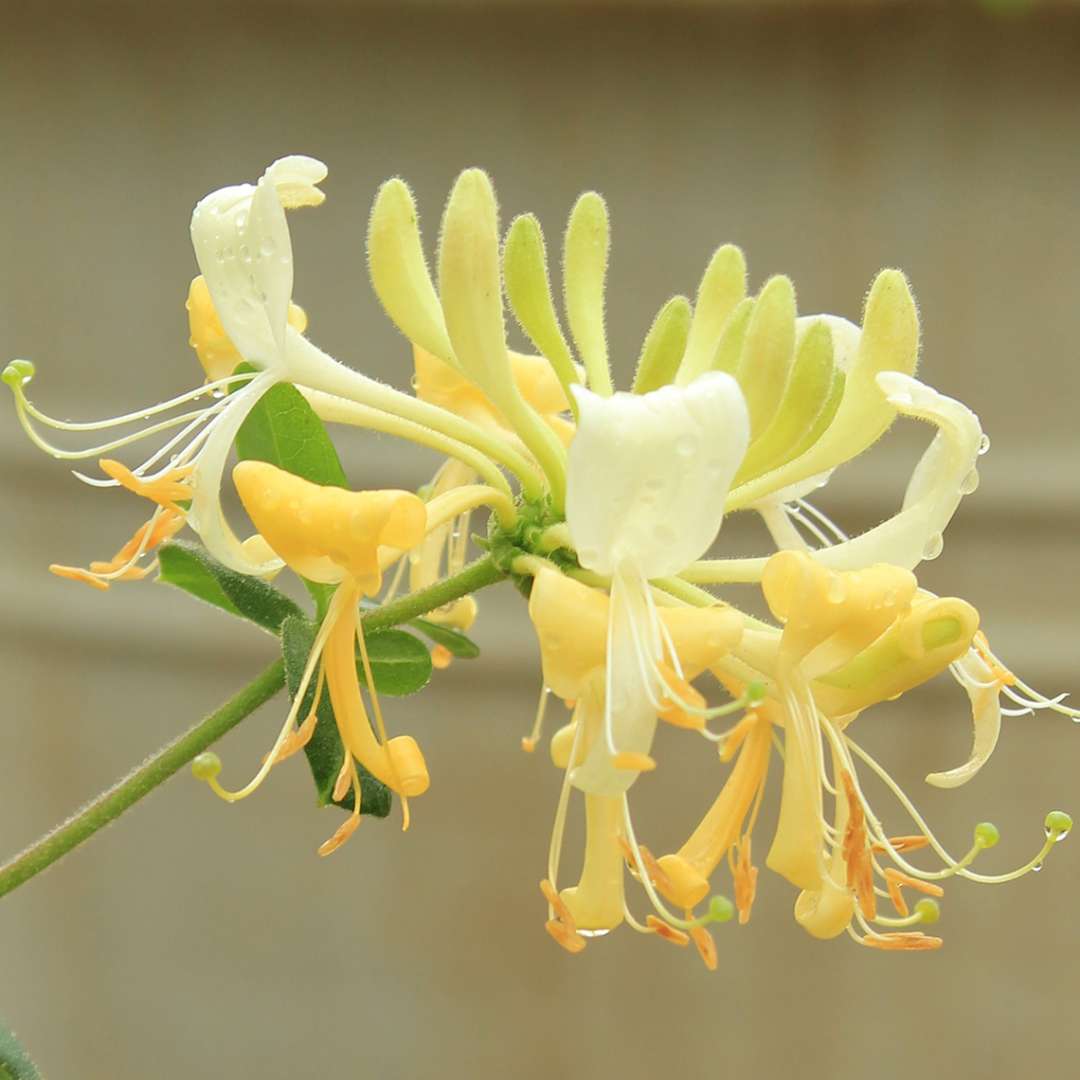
[206,516]
[648,474]
[945,473]
[977,678]
[633,651]
[244,251]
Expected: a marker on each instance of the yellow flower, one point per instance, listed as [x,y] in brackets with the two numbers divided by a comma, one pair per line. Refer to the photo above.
[337,537]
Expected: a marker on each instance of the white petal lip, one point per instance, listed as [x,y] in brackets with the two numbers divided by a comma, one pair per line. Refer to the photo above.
[976,677]
[648,474]
[936,487]
[628,696]
[244,251]
[206,516]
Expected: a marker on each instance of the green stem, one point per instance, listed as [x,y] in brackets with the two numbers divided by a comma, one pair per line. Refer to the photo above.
[475,576]
[141,781]
[108,806]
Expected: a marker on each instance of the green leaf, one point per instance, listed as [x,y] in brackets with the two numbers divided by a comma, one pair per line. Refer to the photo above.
[325,752]
[400,663]
[464,648]
[15,1064]
[191,568]
[284,430]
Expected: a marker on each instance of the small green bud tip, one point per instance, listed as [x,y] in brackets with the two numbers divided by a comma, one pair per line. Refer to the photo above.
[986,834]
[929,911]
[18,373]
[755,692]
[206,766]
[721,909]
[1058,824]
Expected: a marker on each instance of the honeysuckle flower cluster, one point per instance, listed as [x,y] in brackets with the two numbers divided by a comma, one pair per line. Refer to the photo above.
[604,506]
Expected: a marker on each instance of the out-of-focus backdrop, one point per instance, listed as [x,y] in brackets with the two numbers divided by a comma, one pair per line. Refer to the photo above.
[198,939]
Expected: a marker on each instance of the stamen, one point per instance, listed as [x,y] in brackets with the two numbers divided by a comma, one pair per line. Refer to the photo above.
[530,741]
[344,779]
[569,939]
[171,489]
[746,875]
[860,874]
[441,657]
[901,843]
[76,573]
[706,946]
[895,879]
[341,834]
[668,933]
[901,942]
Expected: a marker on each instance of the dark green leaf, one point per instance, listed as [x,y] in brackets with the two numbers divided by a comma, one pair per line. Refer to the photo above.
[191,568]
[325,752]
[400,663]
[284,430]
[464,648]
[15,1064]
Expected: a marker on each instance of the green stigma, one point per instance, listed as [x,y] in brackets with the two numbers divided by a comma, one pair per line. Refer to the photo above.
[206,766]
[986,834]
[18,373]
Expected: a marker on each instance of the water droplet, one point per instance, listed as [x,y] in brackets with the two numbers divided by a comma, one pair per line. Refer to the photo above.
[836,592]
[594,933]
[245,253]
[219,393]
[984,445]
[934,546]
[970,482]
[686,446]
[1037,867]
[266,248]
[241,220]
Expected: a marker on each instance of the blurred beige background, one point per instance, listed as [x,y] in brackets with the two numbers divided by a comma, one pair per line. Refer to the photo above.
[194,939]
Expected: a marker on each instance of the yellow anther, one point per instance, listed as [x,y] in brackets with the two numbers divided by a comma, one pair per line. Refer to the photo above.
[298,739]
[341,834]
[216,352]
[568,938]
[913,941]
[77,573]
[343,781]
[633,761]
[746,875]
[856,850]
[902,844]
[705,945]
[325,533]
[896,879]
[168,490]
[668,933]
[442,658]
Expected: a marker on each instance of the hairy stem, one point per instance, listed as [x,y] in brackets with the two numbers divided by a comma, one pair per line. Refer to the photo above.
[141,781]
[170,759]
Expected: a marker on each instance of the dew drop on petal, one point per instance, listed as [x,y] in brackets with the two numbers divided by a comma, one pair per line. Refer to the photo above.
[1037,867]
[970,482]
[836,592]
[934,546]
[984,444]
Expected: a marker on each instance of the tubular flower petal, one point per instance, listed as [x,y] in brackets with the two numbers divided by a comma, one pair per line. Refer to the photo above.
[648,474]
[334,536]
